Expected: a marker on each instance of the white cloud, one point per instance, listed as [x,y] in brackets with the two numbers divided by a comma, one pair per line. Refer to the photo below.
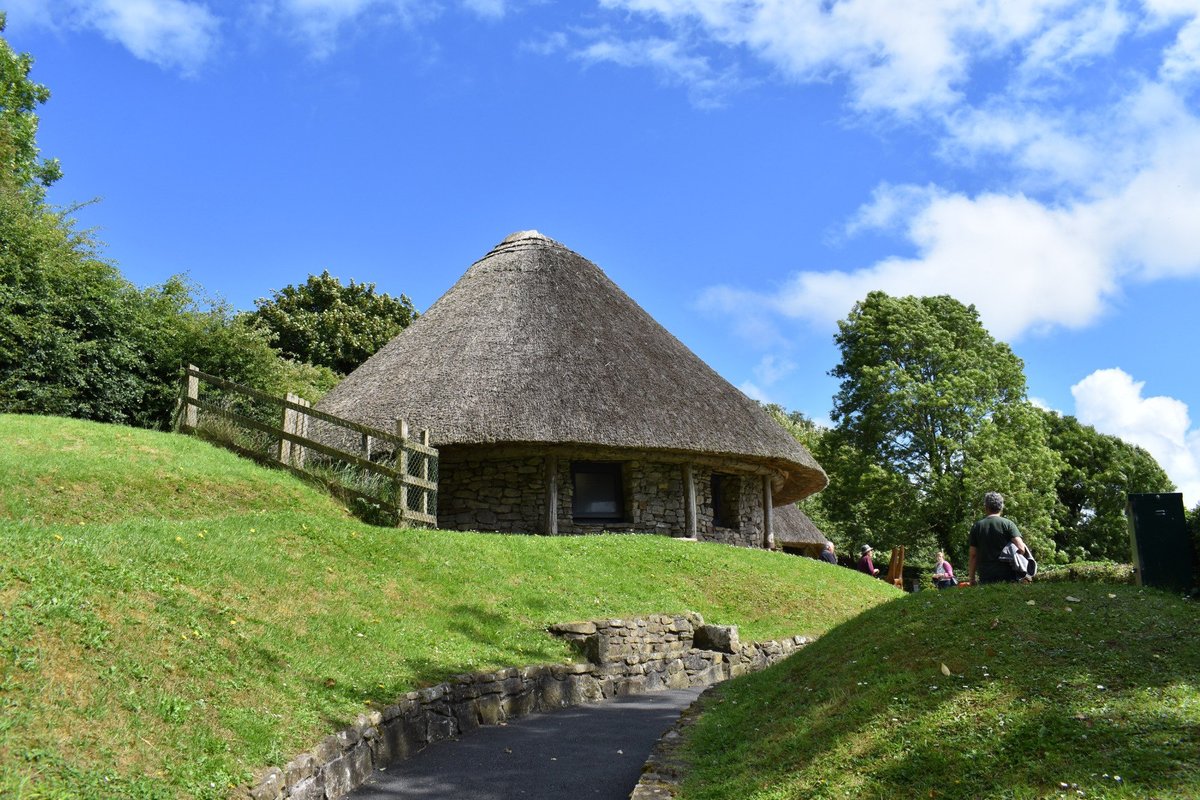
[30,13]
[170,33]
[771,368]
[323,24]
[1182,61]
[486,8]
[897,57]
[669,59]
[752,391]
[1112,402]
[175,34]
[1031,264]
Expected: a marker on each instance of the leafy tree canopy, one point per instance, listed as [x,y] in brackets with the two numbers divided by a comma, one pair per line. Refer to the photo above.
[1099,471]
[325,323]
[926,391]
[19,98]
[76,338]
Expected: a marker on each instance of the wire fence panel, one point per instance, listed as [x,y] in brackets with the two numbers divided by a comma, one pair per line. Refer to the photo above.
[387,479]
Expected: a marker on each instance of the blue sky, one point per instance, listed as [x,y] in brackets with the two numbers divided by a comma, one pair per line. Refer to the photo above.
[745,169]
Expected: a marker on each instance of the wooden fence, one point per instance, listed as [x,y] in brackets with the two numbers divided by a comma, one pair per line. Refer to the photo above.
[388,474]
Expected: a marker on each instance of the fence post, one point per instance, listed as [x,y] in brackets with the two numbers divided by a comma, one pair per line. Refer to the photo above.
[299,451]
[289,427]
[191,413]
[401,473]
[425,472]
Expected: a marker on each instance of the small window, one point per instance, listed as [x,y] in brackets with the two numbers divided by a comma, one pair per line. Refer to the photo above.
[597,491]
[725,501]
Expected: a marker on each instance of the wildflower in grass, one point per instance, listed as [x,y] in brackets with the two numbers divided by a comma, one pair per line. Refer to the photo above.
[252,530]
[57,537]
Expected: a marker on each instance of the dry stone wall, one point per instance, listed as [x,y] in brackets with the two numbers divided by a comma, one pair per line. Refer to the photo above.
[623,657]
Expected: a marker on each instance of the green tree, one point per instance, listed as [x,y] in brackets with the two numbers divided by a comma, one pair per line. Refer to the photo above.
[20,164]
[325,323]
[68,320]
[1099,472]
[1011,450]
[178,326]
[916,432]
[76,338]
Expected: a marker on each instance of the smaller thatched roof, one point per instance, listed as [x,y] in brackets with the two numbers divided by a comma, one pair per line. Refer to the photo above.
[793,528]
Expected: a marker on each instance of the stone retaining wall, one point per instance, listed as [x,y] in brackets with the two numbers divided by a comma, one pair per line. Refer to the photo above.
[624,657]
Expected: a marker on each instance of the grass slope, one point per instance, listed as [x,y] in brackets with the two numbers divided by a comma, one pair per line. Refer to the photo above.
[173,617]
[1055,690]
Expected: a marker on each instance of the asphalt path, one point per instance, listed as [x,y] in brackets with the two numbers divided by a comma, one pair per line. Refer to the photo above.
[591,751]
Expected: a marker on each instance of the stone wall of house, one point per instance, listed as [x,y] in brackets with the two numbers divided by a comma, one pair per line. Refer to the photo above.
[484,493]
[749,532]
[490,494]
[624,657]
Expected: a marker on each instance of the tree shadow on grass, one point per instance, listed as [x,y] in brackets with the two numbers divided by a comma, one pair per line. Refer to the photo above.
[1042,690]
[477,625]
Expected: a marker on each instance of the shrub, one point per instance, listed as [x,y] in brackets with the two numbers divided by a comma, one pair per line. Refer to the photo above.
[1087,572]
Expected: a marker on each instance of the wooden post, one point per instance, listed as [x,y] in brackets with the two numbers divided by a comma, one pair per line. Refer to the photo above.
[425,472]
[289,427]
[299,451]
[551,526]
[768,515]
[191,413]
[689,502]
[366,446]
[401,473]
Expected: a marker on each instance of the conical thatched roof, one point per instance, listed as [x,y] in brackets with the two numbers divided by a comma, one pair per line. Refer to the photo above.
[791,526]
[535,344]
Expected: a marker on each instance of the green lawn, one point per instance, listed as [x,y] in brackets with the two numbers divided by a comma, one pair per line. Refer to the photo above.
[173,617]
[1063,690]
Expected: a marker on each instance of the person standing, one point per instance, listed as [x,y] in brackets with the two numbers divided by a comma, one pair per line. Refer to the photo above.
[943,573]
[827,555]
[865,564]
[989,536]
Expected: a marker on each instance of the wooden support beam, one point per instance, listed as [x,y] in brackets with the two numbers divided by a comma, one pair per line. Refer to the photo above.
[551,510]
[689,501]
[768,515]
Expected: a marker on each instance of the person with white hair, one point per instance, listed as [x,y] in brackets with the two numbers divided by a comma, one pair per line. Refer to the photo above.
[989,536]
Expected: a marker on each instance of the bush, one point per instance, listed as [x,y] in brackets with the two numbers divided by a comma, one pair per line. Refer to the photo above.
[1087,572]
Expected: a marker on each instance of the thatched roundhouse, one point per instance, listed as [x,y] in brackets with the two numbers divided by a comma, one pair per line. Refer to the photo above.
[795,532]
[559,406]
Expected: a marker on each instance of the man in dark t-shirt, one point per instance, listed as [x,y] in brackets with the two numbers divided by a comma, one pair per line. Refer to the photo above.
[989,536]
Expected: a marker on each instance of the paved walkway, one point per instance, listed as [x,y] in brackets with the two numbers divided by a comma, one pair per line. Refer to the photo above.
[594,752]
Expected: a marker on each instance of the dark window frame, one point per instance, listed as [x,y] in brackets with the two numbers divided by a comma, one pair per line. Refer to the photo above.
[611,469]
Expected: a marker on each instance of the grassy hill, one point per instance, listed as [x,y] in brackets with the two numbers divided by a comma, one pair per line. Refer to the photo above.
[173,617]
[1054,690]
